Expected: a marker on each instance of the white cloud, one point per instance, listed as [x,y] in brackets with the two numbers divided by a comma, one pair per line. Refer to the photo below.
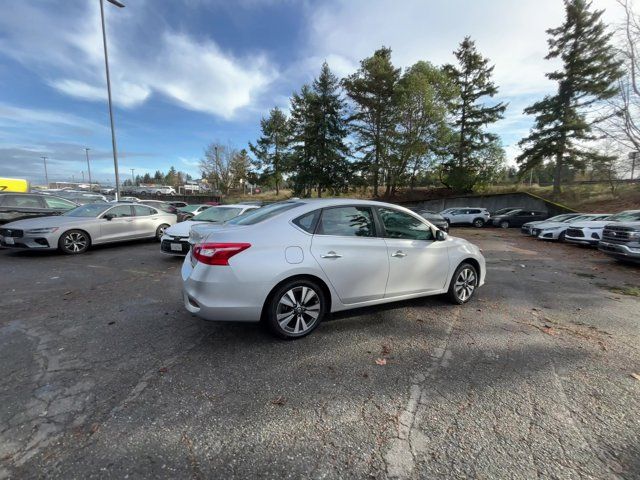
[194,73]
[12,116]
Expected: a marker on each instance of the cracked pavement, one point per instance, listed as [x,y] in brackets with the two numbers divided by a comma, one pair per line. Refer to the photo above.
[104,375]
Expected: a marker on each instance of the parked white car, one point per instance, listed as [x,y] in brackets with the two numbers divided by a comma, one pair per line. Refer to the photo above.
[467,216]
[156,190]
[549,230]
[590,233]
[294,262]
[175,240]
[527,227]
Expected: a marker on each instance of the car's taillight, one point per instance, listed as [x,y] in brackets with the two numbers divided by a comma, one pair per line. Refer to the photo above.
[217,253]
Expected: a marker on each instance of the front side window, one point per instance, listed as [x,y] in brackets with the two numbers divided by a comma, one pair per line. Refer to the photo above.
[347,222]
[120,211]
[22,201]
[53,202]
[402,225]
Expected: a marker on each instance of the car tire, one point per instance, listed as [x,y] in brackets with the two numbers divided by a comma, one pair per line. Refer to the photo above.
[504,224]
[464,284]
[291,309]
[74,242]
[478,223]
[561,237]
[160,231]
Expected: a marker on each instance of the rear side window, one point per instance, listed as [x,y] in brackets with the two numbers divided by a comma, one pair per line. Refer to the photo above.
[475,211]
[121,211]
[347,222]
[308,221]
[142,211]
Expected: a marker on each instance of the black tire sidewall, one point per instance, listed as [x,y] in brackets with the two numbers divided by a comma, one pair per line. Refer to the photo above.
[157,236]
[67,252]
[452,292]
[504,224]
[272,306]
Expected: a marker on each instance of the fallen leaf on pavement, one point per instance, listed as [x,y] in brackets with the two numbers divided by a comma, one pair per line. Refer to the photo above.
[381,361]
[279,401]
[548,329]
[636,376]
[386,350]
[163,370]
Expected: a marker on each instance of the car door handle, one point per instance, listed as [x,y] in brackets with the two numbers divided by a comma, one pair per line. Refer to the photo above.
[331,254]
[399,254]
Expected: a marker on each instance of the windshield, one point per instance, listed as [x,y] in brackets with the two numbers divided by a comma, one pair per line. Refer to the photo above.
[217,214]
[563,218]
[502,211]
[88,210]
[626,216]
[264,213]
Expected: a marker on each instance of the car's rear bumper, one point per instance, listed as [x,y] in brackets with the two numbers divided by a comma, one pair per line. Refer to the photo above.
[620,251]
[168,246]
[215,293]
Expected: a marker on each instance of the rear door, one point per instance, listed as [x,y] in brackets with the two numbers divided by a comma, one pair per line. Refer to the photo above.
[145,221]
[417,263]
[120,227]
[354,258]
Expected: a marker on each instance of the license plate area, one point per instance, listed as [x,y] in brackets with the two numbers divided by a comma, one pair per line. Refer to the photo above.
[9,241]
[176,247]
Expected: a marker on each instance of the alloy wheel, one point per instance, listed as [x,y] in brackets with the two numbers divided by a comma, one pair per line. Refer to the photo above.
[298,310]
[75,242]
[465,284]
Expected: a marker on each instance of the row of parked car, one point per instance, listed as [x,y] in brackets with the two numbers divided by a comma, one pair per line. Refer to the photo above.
[617,235]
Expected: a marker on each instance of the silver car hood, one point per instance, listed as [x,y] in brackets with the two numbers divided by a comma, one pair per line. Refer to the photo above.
[593,224]
[44,222]
[550,224]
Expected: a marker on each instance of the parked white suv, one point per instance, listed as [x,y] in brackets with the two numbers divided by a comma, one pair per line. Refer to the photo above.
[156,190]
[467,215]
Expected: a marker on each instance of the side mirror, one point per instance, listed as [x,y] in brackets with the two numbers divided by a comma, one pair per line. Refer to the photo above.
[109,216]
[441,236]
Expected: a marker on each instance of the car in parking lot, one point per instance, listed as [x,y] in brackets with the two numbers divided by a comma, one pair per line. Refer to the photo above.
[517,218]
[17,206]
[175,240]
[292,263]
[502,211]
[590,233]
[553,230]
[160,205]
[190,211]
[527,227]
[77,230]
[433,218]
[621,241]
[467,216]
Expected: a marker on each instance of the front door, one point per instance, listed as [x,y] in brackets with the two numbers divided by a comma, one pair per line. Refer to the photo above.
[351,254]
[417,262]
[120,227]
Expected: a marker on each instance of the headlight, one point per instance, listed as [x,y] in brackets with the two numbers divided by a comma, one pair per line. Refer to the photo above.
[551,229]
[41,231]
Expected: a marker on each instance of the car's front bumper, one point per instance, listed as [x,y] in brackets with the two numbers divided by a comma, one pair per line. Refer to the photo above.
[620,251]
[40,242]
[174,246]
[547,234]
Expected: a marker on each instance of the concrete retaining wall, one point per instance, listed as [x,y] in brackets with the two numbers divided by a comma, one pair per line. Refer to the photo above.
[494,202]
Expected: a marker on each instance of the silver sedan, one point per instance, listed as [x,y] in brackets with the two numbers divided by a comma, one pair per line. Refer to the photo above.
[292,263]
[92,224]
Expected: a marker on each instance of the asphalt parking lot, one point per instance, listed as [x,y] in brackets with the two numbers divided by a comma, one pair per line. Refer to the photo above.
[105,375]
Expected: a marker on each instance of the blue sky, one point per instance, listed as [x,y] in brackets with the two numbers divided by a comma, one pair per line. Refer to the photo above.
[189,72]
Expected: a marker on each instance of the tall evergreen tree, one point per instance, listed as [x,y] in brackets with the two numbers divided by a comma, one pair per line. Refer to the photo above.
[272,147]
[302,131]
[371,90]
[588,72]
[471,116]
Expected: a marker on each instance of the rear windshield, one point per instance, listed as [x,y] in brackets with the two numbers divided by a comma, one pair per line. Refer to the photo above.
[88,210]
[264,213]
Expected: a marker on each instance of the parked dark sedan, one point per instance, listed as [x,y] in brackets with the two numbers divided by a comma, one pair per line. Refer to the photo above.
[517,218]
[19,206]
[434,218]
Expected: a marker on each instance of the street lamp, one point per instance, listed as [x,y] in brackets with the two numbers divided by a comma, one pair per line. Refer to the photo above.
[86,151]
[106,66]
[46,175]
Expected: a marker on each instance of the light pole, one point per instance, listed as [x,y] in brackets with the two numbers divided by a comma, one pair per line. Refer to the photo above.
[86,151]
[46,175]
[133,178]
[106,66]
